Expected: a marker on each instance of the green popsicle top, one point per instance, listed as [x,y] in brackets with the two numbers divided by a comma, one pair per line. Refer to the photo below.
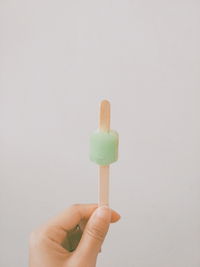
[104,147]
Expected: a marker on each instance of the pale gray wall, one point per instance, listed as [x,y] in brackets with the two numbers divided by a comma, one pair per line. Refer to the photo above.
[58,59]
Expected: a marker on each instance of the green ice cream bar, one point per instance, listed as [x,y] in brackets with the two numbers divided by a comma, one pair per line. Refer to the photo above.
[104,147]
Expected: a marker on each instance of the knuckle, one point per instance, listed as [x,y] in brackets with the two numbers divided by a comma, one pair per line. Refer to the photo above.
[75,206]
[38,236]
[96,233]
[32,237]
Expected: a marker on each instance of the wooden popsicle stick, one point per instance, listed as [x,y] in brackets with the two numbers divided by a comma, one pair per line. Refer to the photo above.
[104,118]
[104,126]
[104,185]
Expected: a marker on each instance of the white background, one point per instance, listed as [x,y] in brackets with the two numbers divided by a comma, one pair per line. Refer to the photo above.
[58,59]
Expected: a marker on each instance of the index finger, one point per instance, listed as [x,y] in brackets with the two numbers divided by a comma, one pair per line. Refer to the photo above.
[68,219]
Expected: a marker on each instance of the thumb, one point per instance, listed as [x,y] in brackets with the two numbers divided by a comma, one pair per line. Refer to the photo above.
[95,232]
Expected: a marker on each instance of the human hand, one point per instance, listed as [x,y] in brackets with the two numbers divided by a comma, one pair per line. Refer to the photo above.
[48,243]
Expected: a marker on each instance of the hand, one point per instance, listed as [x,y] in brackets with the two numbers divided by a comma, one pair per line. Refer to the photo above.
[48,243]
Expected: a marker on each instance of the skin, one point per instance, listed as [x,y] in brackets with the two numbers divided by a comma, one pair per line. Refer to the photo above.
[47,243]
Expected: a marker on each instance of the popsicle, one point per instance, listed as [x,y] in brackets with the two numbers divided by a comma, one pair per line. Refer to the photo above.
[104,150]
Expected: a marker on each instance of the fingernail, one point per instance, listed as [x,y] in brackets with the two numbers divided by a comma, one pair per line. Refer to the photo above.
[119,216]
